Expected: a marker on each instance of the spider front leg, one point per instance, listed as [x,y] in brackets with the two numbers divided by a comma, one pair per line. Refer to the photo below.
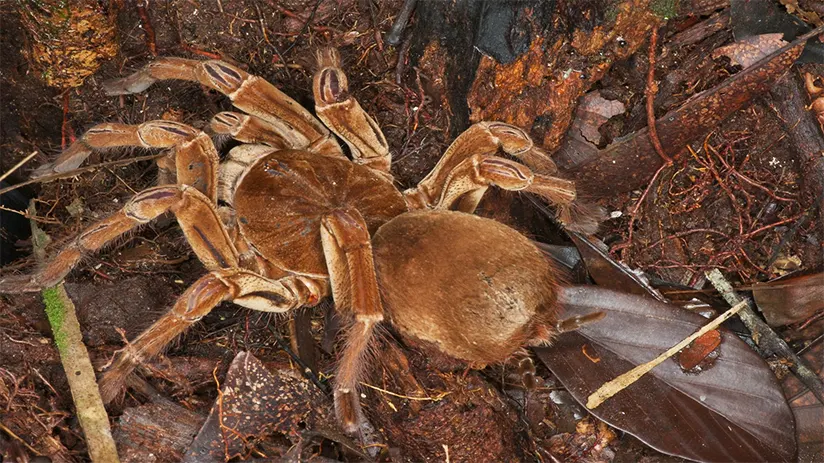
[227,282]
[469,167]
[348,252]
[344,115]
[193,155]
[480,138]
[248,93]
[194,212]
[469,180]
[275,133]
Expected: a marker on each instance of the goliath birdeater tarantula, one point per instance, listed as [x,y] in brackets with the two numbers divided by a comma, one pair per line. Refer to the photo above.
[286,219]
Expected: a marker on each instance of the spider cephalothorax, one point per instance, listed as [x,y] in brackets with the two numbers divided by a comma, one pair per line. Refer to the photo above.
[298,220]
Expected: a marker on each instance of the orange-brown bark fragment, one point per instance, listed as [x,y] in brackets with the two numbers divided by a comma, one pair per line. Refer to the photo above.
[692,355]
[547,81]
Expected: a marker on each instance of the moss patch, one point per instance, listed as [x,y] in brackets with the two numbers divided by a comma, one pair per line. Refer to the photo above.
[56,311]
[666,9]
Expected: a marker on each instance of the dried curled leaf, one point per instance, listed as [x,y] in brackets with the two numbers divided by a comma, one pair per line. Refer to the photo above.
[749,50]
[593,111]
[791,300]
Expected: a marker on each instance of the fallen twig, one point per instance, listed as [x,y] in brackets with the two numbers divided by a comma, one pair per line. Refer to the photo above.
[393,37]
[19,439]
[18,165]
[302,29]
[652,89]
[765,338]
[76,363]
[29,216]
[148,30]
[615,169]
[83,170]
[437,398]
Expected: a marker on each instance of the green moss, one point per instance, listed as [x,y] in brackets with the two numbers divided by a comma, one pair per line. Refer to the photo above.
[56,312]
[611,14]
[666,9]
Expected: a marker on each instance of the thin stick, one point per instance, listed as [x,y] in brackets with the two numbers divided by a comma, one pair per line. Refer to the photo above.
[393,37]
[304,368]
[652,89]
[618,384]
[18,165]
[637,209]
[302,30]
[83,170]
[27,215]
[438,398]
[148,30]
[15,436]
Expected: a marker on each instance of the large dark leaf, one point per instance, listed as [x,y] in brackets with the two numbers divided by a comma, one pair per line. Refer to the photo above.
[609,273]
[790,300]
[731,411]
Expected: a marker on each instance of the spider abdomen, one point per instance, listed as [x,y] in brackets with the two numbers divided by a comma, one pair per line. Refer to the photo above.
[473,287]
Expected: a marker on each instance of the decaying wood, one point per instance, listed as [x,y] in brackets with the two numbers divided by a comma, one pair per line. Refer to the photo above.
[717,22]
[254,402]
[789,101]
[629,163]
[701,7]
[559,67]
[159,431]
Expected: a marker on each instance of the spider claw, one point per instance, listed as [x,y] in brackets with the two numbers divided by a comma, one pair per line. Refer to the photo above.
[135,83]
[348,410]
[43,170]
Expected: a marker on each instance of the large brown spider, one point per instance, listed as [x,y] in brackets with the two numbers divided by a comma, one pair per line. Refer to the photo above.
[287,217]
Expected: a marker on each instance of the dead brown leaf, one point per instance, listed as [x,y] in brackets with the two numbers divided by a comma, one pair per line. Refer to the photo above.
[749,50]
[593,111]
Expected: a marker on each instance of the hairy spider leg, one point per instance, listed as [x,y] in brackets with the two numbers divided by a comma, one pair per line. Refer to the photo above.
[349,258]
[249,93]
[191,152]
[469,167]
[342,113]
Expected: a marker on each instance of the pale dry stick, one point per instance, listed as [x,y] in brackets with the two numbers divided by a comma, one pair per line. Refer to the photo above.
[77,365]
[618,384]
[18,165]
[29,216]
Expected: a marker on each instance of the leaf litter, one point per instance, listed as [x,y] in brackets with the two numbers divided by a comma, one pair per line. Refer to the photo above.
[226,330]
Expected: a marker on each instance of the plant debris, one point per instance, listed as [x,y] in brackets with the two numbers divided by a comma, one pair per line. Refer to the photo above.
[743,196]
